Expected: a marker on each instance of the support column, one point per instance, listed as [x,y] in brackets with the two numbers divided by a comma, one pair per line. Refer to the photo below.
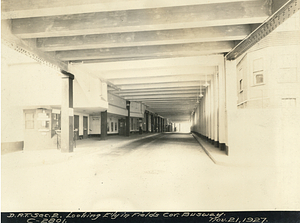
[216,108]
[147,122]
[222,107]
[67,113]
[155,123]
[104,125]
[152,123]
[159,124]
[128,119]
[230,101]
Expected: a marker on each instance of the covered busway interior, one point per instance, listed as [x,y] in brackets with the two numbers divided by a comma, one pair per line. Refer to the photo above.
[229,68]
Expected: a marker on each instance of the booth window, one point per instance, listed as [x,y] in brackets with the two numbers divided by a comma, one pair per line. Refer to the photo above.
[29,120]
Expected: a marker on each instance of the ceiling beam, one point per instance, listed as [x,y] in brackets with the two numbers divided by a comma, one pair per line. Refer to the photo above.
[176,50]
[268,26]
[162,85]
[158,72]
[159,92]
[161,96]
[161,63]
[168,79]
[27,8]
[154,90]
[177,36]
[143,20]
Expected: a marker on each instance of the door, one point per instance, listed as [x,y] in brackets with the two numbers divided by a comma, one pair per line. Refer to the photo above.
[85,127]
[76,126]
[122,130]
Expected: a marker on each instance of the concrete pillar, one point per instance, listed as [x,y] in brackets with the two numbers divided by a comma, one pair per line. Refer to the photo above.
[158,124]
[67,113]
[104,125]
[212,111]
[155,123]
[147,122]
[128,119]
[222,106]
[231,102]
[216,109]
[152,123]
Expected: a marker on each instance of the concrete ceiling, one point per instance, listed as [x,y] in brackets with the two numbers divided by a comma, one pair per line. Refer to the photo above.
[157,52]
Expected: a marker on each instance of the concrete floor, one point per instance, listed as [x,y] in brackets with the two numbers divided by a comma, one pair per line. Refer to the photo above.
[158,172]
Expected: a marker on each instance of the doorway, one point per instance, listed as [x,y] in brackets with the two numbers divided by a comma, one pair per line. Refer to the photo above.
[76,126]
[85,127]
[122,129]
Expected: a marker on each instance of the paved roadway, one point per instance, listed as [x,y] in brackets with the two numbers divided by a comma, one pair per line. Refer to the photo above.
[161,172]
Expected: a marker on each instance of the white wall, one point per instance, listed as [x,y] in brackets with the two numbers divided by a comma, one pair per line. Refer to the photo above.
[95,124]
[265,129]
[28,84]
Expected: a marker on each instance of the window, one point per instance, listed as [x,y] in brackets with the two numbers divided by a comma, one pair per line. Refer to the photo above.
[241,85]
[116,126]
[107,126]
[29,120]
[258,71]
[112,126]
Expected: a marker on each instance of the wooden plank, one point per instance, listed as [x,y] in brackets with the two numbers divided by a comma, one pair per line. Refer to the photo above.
[143,20]
[176,50]
[176,36]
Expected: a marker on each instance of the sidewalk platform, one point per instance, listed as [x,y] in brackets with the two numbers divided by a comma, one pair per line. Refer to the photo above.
[85,147]
[214,153]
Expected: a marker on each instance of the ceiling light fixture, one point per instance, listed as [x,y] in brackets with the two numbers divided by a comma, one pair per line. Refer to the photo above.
[206,84]
[200,95]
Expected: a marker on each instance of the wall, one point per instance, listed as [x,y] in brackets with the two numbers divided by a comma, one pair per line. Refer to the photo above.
[27,84]
[116,105]
[94,125]
[23,83]
[263,119]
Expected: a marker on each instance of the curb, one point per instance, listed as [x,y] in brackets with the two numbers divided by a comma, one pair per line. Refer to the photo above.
[205,150]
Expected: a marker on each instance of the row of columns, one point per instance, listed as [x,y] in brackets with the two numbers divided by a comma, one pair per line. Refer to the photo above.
[209,119]
[155,123]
